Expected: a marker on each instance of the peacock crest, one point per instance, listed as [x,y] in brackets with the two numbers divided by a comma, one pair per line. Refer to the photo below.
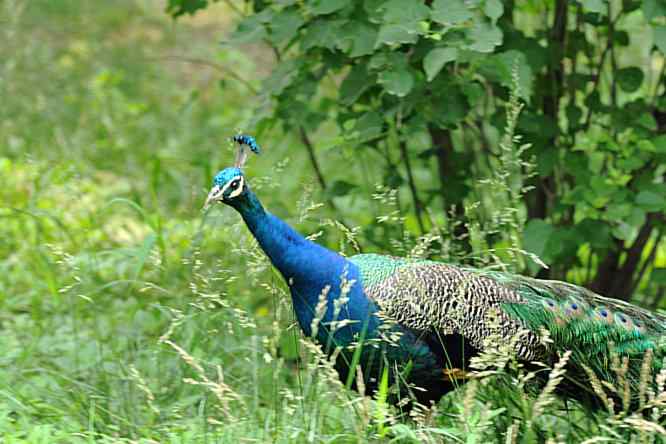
[244,140]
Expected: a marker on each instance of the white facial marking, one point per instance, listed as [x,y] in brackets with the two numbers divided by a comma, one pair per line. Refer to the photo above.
[212,196]
[235,192]
[238,190]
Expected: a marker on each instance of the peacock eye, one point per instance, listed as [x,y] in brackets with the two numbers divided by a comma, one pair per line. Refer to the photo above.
[234,184]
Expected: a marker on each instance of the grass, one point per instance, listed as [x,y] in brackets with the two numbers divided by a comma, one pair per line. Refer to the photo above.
[126,314]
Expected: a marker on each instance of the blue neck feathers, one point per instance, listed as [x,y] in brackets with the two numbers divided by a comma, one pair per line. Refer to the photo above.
[309,269]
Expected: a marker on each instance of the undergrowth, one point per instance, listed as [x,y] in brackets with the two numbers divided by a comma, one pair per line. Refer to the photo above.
[127,315]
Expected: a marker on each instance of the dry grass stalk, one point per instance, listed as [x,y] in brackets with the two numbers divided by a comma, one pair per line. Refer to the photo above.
[598,389]
[546,397]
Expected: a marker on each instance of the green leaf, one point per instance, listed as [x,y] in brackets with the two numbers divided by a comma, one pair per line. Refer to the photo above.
[630,79]
[574,114]
[435,60]
[450,12]
[659,143]
[374,10]
[340,188]
[593,101]
[392,34]
[637,218]
[474,92]
[654,9]
[485,37]
[621,37]
[630,5]
[659,36]
[323,33]
[448,105]
[493,9]
[647,120]
[646,146]
[379,60]
[499,68]
[369,126]
[402,22]
[400,11]
[651,201]
[622,230]
[285,25]
[625,228]
[282,76]
[618,211]
[536,235]
[596,232]
[356,82]
[360,39]
[179,7]
[630,163]
[250,29]
[658,276]
[397,81]
[322,7]
[595,6]
[594,19]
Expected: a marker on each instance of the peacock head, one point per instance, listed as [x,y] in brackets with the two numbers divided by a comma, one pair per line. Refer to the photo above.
[229,185]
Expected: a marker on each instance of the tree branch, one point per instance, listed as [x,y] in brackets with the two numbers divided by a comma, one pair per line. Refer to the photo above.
[313,158]
[649,260]
[539,200]
[597,76]
[216,66]
[418,206]
[611,44]
[443,145]
[615,280]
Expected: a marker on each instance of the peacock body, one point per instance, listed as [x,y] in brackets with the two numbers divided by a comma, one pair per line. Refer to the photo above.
[423,320]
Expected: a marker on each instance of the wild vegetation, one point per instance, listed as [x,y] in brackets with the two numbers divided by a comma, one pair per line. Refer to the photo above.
[516,135]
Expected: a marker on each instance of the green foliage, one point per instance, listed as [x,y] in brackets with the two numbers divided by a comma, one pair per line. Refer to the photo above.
[436,77]
[181,7]
[128,316]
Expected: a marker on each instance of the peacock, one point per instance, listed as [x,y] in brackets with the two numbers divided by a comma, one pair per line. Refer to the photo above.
[420,322]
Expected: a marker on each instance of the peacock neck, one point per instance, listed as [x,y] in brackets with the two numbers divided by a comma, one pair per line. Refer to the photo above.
[308,268]
[297,258]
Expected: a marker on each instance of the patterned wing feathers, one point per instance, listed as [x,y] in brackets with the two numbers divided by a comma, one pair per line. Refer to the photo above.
[432,296]
[426,295]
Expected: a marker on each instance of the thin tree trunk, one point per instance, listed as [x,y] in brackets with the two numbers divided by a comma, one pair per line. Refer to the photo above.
[618,281]
[418,205]
[538,200]
[441,138]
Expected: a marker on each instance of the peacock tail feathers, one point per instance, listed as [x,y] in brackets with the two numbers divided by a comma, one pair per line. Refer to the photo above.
[426,295]
[593,327]
[576,311]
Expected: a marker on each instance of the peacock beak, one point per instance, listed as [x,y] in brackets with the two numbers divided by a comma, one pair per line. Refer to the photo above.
[213,196]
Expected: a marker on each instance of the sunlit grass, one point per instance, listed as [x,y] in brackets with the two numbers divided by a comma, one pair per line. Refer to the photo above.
[126,313]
